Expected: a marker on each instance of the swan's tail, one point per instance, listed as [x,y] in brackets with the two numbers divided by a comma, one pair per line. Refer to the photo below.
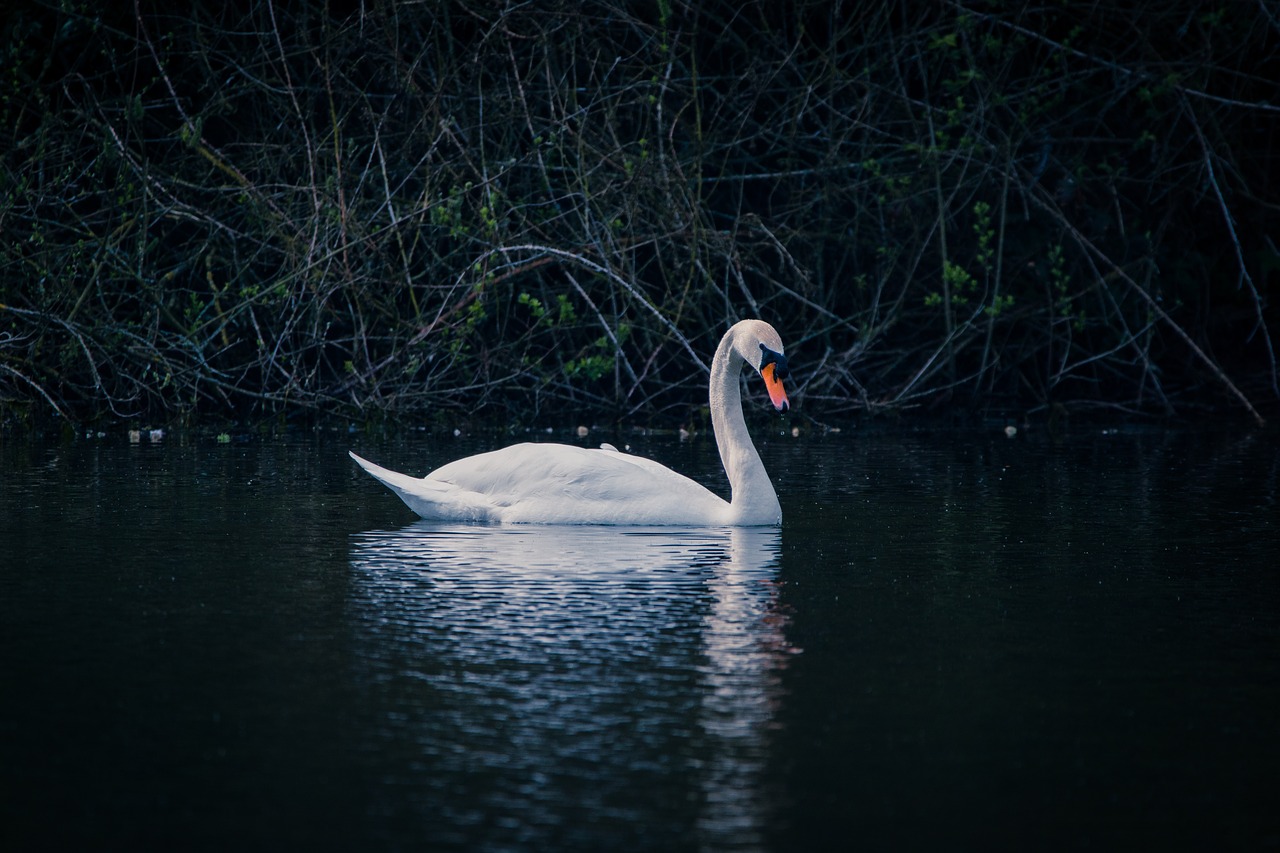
[427,498]
[394,480]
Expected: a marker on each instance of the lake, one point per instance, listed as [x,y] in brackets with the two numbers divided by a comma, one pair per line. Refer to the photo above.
[956,640]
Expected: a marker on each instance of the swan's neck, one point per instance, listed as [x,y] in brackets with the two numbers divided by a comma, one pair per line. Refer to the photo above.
[752,498]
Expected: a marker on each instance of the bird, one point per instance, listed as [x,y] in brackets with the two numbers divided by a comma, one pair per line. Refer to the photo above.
[546,483]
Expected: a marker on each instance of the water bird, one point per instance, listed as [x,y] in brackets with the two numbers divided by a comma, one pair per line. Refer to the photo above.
[563,484]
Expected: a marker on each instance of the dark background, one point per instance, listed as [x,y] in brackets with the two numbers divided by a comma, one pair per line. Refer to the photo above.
[493,212]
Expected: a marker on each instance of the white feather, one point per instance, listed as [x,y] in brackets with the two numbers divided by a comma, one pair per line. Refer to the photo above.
[562,484]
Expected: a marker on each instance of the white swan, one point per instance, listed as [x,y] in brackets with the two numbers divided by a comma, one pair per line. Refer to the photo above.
[562,484]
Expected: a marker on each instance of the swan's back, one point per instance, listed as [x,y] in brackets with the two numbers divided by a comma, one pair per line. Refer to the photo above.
[560,484]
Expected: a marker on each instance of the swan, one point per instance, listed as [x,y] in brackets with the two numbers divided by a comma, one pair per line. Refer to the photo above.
[563,484]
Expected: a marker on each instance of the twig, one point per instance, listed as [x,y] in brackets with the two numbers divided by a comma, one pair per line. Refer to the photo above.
[631,290]
[39,390]
[1155,306]
[1228,220]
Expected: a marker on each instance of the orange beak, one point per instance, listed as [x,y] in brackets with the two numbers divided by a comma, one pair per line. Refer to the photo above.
[777,394]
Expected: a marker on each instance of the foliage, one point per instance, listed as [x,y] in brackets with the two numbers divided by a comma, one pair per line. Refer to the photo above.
[489,208]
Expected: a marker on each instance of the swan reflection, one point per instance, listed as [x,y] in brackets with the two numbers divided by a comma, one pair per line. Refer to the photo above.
[570,686]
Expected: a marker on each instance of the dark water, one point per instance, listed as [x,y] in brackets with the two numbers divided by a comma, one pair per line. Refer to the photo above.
[955,641]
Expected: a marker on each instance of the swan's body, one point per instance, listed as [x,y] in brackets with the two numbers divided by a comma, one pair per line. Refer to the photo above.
[562,484]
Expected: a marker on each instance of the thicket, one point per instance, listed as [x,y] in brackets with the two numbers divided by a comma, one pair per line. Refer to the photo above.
[507,210]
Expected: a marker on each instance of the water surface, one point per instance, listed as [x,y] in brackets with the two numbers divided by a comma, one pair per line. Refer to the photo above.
[954,640]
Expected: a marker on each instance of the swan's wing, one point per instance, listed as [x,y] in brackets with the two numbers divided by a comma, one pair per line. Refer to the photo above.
[558,483]
[657,468]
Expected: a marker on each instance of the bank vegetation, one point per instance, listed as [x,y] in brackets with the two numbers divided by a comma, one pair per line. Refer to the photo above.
[498,211]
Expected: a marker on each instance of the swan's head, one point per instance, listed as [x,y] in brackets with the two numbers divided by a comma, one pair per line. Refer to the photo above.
[773,369]
[763,351]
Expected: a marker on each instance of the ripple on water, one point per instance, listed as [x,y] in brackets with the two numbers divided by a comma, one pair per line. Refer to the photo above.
[571,677]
